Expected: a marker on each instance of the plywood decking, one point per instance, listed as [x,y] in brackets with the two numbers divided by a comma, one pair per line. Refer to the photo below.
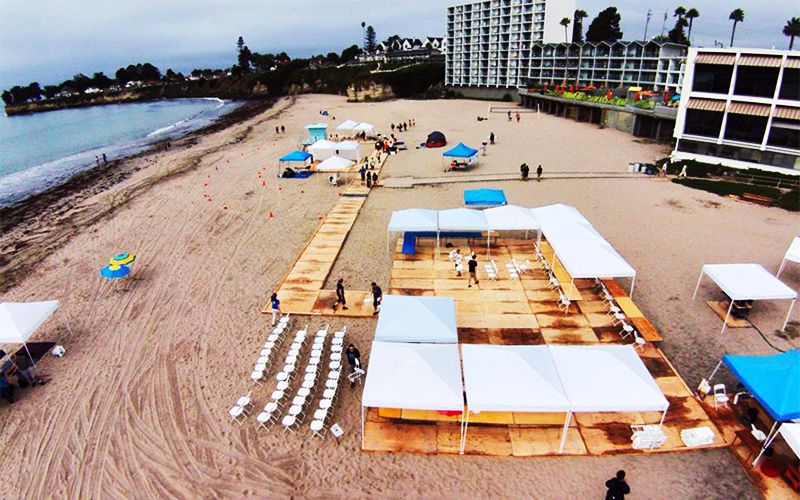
[301,290]
[721,309]
[531,434]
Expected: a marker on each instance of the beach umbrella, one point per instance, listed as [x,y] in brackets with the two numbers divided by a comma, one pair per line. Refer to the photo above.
[122,259]
[115,271]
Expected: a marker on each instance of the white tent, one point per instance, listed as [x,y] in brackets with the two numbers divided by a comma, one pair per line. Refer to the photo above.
[348,149]
[510,218]
[747,282]
[791,433]
[462,219]
[792,254]
[322,149]
[334,164]
[347,126]
[365,127]
[406,318]
[414,219]
[593,261]
[18,320]
[606,378]
[414,377]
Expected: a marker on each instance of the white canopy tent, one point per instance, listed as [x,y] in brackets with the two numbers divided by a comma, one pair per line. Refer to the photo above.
[19,320]
[792,254]
[406,318]
[368,128]
[347,126]
[462,219]
[348,149]
[582,250]
[511,218]
[791,433]
[412,219]
[414,377]
[606,378]
[510,378]
[334,164]
[747,282]
[322,149]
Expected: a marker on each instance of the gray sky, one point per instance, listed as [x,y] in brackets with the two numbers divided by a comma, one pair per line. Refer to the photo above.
[49,41]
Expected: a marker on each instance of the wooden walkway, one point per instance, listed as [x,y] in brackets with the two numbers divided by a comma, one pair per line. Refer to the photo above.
[301,290]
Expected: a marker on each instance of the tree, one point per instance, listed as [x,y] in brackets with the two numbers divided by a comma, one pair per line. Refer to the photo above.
[7,97]
[333,57]
[50,91]
[676,34]
[565,22]
[262,62]
[680,12]
[349,53]
[605,27]
[577,25]
[792,29]
[244,59]
[737,16]
[239,44]
[691,15]
[661,38]
[370,44]
[101,81]
[149,73]
[122,76]
[33,91]
[81,82]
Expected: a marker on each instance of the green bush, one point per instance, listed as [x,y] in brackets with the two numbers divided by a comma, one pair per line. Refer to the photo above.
[787,199]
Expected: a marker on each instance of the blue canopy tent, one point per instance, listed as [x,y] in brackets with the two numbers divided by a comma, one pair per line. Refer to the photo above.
[294,156]
[774,381]
[462,151]
[484,197]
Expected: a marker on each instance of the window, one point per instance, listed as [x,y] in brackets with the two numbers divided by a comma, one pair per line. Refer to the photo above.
[714,78]
[784,134]
[745,128]
[703,123]
[756,81]
[790,86]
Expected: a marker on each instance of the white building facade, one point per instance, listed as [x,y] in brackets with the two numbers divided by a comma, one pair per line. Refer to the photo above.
[741,108]
[488,41]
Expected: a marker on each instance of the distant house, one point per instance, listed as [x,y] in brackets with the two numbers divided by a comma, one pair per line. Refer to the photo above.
[92,90]
[406,49]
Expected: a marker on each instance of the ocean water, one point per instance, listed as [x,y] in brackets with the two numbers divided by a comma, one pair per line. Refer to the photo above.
[41,150]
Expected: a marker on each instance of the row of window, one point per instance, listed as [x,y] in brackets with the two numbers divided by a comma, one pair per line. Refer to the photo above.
[751,81]
[741,154]
[743,128]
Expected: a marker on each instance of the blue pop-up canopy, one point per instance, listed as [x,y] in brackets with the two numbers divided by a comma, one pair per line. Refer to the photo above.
[773,380]
[461,151]
[484,197]
[295,156]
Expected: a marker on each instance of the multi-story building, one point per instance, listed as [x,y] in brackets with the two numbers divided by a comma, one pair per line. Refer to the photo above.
[488,41]
[741,108]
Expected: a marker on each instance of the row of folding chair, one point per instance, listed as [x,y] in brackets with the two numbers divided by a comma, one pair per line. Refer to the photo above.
[307,391]
[319,425]
[618,316]
[270,347]
[241,409]
[563,301]
[273,408]
[515,269]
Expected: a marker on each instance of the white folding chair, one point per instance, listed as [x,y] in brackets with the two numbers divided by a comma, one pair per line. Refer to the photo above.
[311,369]
[318,428]
[339,341]
[245,402]
[340,333]
[294,352]
[314,361]
[264,418]
[619,318]
[627,330]
[277,396]
[299,401]
[638,340]
[308,384]
[335,365]
[491,275]
[288,423]
[260,367]
[290,360]
[337,348]
[282,385]
[270,344]
[720,396]
[283,376]
[304,392]
[329,394]
[336,356]
[325,404]
[564,303]
[257,377]
[273,337]
[554,283]
[334,375]
[237,414]
[332,383]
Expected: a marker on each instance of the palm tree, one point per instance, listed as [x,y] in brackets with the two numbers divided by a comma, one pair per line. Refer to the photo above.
[577,25]
[565,22]
[737,16]
[792,29]
[680,12]
[691,15]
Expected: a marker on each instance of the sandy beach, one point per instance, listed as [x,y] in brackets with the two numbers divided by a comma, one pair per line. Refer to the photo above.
[138,408]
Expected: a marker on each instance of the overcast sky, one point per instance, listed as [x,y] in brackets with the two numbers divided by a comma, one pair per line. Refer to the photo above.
[49,41]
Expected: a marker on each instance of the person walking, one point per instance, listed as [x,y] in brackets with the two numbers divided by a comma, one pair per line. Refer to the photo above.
[509,116]
[274,307]
[377,297]
[491,138]
[353,362]
[524,170]
[374,179]
[682,175]
[472,265]
[340,295]
[283,129]
[617,487]
[363,172]
[277,130]
[518,116]
[457,259]
[27,369]
[105,159]
[539,171]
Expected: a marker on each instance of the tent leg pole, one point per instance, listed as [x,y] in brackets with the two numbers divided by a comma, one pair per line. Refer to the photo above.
[464,438]
[767,442]
[663,416]
[633,282]
[25,345]
[788,314]
[66,322]
[564,432]
[715,370]
[725,321]
[363,409]
[698,285]
[780,269]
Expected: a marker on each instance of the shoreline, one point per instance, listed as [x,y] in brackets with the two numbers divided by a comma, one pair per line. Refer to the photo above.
[22,221]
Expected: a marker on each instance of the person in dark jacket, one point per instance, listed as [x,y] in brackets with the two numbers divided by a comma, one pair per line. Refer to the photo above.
[617,487]
[340,295]
[353,360]
[6,389]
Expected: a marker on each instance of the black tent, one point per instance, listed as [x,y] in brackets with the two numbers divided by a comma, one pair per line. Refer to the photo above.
[436,139]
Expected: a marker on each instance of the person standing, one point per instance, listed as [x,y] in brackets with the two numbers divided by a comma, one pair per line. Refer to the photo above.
[374,179]
[524,169]
[96,161]
[509,116]
[363,172]
[539,171]
[617,487]
[472,265]
[274,307]
[518,116]
[105,159]
[27,369]
[277,130]
[491,138]
[340,295]
[377,297]
[6,389]
[283,129]
[353,362]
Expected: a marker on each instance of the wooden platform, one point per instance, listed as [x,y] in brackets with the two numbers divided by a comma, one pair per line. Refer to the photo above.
[531,434]
[721,309]
[301,290]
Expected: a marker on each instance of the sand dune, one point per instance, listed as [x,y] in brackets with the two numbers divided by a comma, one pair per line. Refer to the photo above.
[138,407]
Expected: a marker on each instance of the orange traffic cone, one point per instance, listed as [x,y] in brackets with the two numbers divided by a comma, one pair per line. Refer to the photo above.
[225,207]
[302,191]
[320,216]
[271,216]
[263,183]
